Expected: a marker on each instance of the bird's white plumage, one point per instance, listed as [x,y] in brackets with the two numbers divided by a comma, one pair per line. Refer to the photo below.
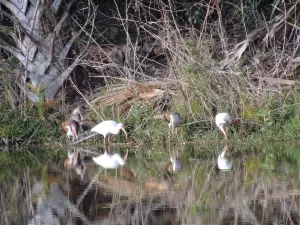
[223,119]
[177,164]
[71,156]
[175,120]
[108,161]
[107,127]
[69,132]
[223,162]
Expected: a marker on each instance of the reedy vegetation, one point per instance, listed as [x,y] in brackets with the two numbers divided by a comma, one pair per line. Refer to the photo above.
[209,72]
[236,57]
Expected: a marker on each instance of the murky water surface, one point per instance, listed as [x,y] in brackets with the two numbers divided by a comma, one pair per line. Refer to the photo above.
[40,186]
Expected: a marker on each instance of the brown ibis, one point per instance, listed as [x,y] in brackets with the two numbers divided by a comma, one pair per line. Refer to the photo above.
[174,119]
[86,124]
[78,115]
[71,128]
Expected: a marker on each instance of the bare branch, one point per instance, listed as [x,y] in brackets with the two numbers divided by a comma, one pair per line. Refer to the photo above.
[33,38]
[64,17]
[58,82]
[17,12]
[29,94]
[51,49]
[32,48]
[33,2]
[64,52]
[55,6]
[18,42]
[60,23]
[36,16]
[18,4]
[30,67]
[24,6]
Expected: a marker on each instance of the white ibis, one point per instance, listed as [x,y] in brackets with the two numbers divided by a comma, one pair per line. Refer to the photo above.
[108,128]
[108,161]
[175,165]
[71,128]
[223,162]
[174,119]
[223,121]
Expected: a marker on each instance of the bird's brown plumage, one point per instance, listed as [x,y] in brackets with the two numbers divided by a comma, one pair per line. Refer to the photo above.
[174,119]
[78,115]
[70,123]
[87,125]
[167,117]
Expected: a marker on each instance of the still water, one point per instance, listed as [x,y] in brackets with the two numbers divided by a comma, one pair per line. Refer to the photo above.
[38,187]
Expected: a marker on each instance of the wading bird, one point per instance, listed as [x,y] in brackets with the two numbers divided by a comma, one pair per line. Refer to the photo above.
[223,162]
[108,128]
[175,165]
[174,119]
[78,115]
[86,124]
[108,161]
[71,128]
[223,121]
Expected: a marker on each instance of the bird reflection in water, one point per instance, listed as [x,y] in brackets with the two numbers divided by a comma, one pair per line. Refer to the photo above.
[114,161]
[74,162]
[110,161]
[223,162]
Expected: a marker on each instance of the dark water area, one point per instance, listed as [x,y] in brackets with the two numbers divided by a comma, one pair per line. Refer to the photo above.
[38,186]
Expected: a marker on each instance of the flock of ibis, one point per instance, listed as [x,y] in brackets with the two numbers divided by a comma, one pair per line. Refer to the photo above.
[78,124]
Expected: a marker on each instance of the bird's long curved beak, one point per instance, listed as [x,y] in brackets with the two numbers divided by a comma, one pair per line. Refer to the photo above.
[123,129]
[223,131]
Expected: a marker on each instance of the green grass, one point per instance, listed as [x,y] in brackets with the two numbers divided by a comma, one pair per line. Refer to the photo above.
[16,128]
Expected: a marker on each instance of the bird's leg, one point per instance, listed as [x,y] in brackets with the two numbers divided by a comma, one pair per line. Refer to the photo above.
[69,141]
[226,130]
[109,139]
[105,151]
[104,142]
[126,156]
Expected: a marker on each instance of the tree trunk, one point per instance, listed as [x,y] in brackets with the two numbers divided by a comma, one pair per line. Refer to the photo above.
[37,42]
